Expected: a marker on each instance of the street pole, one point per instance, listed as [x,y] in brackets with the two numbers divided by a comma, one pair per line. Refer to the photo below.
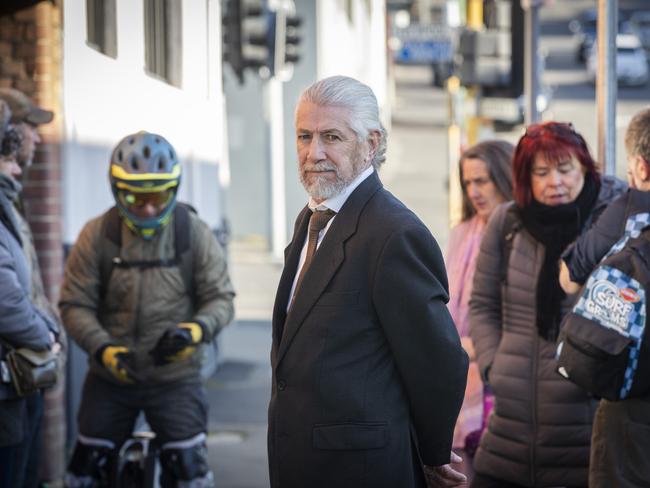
[606,84]
[531,62]
[275,109]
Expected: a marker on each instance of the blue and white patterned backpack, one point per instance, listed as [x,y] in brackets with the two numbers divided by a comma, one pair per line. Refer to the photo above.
[603,345]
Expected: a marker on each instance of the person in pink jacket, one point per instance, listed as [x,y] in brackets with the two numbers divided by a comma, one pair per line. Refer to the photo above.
[485,178]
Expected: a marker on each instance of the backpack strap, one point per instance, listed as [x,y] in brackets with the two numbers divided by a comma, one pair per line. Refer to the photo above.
[183,245]
[511,225]
[109,250]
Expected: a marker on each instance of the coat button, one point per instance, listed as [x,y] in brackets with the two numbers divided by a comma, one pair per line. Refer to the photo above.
[281,385]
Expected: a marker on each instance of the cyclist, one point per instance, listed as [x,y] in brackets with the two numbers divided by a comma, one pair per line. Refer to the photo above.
[146,287]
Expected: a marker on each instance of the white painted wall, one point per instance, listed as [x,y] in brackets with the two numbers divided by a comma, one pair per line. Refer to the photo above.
[357,48]
[105,99]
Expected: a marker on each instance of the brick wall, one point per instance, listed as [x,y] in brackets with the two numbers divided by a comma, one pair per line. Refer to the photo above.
[30,61]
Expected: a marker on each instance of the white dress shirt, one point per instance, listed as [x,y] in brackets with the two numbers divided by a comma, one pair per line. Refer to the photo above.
[335,203]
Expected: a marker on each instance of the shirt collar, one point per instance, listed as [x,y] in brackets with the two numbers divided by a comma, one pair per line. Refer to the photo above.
[336,202]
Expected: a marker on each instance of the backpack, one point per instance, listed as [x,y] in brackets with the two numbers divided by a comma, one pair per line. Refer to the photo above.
[183,259]
[603,345]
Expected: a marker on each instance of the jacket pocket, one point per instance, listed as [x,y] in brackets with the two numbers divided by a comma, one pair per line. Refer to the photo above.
[338,299]
[350,436]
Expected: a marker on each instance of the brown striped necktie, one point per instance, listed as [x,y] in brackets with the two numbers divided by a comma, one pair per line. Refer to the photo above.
[317,222]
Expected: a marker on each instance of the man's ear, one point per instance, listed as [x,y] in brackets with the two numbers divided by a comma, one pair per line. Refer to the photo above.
[373,142]
[643,168]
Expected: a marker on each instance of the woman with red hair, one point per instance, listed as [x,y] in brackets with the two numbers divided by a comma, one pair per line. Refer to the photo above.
[539,431]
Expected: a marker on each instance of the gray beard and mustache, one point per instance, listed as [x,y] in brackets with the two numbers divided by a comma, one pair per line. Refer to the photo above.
[321,188]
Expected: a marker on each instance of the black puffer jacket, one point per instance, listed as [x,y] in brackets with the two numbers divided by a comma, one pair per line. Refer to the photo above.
[539,431]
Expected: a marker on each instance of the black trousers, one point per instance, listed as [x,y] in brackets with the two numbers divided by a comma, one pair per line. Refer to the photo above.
[174,411]
[19,463]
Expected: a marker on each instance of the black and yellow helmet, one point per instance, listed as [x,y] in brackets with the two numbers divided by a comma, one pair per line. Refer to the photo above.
[144,165]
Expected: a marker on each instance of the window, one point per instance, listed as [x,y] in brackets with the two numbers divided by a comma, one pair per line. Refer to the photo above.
[101,26]
[163,39]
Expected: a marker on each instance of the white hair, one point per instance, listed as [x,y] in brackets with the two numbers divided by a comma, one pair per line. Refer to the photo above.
[346,92]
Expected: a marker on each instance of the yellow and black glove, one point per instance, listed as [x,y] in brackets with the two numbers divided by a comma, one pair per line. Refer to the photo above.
[117,360]
[177,343]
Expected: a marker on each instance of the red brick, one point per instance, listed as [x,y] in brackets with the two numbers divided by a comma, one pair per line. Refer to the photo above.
[51,261]
[6,49]
[25,15]
[44,207]
[26,86]
[13,68]
[30,66]
[29,33]
[51,279]
[49,245]
[25,50]
[43,227]
[49,173]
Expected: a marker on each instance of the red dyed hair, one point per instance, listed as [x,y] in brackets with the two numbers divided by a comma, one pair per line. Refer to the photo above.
[555,141]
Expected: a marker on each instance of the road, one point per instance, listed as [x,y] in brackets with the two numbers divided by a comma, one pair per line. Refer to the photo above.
[574,98]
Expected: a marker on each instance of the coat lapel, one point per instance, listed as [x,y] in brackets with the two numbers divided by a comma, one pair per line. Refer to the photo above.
[327,260]
[291,257]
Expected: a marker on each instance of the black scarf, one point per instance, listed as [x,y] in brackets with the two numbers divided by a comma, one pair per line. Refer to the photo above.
[556,227]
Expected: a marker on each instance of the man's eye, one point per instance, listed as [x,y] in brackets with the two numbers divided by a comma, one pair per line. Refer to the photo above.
[331,137]
[303,137]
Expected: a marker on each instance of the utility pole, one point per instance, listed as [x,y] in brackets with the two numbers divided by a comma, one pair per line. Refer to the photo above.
[606,84]
[531,69]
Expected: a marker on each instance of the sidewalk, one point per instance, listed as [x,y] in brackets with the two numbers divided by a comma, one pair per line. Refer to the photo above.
[239,392]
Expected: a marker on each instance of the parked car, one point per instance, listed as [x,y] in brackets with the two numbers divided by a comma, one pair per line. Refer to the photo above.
[584,29]
[640,21]
[631,61]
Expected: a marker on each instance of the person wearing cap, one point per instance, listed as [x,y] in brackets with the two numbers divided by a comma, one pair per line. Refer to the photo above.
[24,119]
[143,302]
[22,323]
[26,116]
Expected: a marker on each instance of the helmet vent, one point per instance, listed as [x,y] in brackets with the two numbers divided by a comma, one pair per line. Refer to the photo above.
[131,141]
[120,156]
[162,163]
[147,152]
[133,162]
[171,155]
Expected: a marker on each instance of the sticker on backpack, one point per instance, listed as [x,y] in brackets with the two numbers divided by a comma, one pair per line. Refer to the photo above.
[614,300]
[601,341]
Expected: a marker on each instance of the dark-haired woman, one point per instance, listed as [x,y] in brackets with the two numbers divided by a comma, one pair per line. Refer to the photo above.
[485,179]
[538,434]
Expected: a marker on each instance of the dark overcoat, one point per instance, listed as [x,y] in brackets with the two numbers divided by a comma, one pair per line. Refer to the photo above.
[368,371]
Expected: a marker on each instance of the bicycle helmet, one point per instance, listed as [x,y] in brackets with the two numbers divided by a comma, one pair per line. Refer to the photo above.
[144,169]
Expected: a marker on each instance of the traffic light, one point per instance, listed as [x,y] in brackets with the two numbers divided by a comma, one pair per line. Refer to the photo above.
[249,36]
[287,39]
[494,58]
[262,38]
